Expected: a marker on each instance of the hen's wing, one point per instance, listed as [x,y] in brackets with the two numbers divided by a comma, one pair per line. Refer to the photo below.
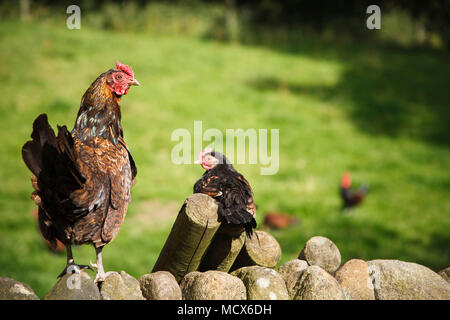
[237,203]
[233,195]
[209,184]
[351,197]
[251,207]
[132,163]
[121,175]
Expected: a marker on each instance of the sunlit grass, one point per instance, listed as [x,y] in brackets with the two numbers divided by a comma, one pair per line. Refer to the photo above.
[374,112]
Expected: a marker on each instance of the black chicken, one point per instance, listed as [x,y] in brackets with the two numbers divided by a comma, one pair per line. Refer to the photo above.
[230,189]
[82,179]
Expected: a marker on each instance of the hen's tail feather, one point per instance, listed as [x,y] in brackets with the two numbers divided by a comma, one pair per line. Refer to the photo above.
[65,144]
[364,189]
[46,227]
[242,217]
[249,226]
[51,158]
[32,150]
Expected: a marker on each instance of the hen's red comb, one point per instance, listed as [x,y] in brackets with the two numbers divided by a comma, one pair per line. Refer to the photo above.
[125,68]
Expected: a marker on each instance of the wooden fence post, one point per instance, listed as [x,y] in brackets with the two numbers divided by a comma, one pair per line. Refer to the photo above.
[191,234]
[222,252]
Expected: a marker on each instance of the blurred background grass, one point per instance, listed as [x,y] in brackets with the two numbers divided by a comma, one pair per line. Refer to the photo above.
[374,103]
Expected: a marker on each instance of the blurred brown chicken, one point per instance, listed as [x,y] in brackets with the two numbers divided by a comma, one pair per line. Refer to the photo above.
[82,179]
[277,220]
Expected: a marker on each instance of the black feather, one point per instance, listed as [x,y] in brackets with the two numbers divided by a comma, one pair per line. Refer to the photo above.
[51,158]
[32,150]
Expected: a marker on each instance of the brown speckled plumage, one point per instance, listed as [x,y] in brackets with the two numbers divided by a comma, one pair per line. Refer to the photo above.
[82,179]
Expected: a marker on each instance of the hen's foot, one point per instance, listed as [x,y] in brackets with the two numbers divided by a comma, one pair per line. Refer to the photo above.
[101,276]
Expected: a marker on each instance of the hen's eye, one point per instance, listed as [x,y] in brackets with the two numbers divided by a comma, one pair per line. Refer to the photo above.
[118,77]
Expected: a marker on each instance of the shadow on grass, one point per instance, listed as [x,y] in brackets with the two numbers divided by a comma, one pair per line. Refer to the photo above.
[385,91]
[369,241]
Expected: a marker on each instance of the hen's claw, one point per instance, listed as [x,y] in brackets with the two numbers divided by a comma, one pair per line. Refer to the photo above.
[75,268]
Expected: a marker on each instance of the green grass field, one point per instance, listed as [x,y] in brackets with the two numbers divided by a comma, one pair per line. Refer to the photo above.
[381,113]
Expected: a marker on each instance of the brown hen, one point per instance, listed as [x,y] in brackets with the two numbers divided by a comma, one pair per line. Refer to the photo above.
[278,220]
[82,179]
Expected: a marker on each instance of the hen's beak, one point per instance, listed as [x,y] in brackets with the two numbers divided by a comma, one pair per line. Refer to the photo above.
[133,82]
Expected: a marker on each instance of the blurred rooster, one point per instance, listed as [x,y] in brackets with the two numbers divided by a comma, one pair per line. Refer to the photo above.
[230,189]
[82,179]
[351,197]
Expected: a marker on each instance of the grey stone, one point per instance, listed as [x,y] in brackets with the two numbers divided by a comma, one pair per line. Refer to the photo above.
[262,283]
[317,284]
[160,285]
[121,286]
[11,289]
[399,280]
[212,285]
[291,273]
[445,273]
[322,252]
[353,277]
[78,286]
